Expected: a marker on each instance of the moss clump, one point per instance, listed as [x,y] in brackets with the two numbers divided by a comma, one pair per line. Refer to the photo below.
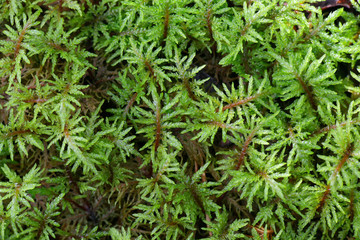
[191,119]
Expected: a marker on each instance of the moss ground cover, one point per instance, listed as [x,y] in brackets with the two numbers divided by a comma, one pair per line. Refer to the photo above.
[191,119]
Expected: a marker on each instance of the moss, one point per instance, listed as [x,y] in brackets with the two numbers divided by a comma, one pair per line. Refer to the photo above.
[186,119]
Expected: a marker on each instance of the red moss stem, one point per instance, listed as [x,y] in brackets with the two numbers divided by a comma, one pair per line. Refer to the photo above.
[308,92]
[324,197]
[245,148]
[150,68]
[209,27]
[332,179]
[166,22]
[330,127]
[21,38]
[19,132]
[188,89]
[240,102]
[130,103]
[341,163]
[158,124]
[209,23]
[38,100]
[61,6]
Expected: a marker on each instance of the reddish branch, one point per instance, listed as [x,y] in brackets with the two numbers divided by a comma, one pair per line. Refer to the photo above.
[130,103]
[21,38]
[324,197]
[240,102]
[19,132]
[342,162]
[158,125]
[308,92]
[188,89]
[166,22]
[338,168]
[60,6]
[208,23]
[245,148]
[328,128]
[38,100]
[66,132]
[150,68]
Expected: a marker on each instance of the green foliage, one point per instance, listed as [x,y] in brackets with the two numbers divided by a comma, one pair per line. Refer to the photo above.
[41,224]
[192,119]
[124,234]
